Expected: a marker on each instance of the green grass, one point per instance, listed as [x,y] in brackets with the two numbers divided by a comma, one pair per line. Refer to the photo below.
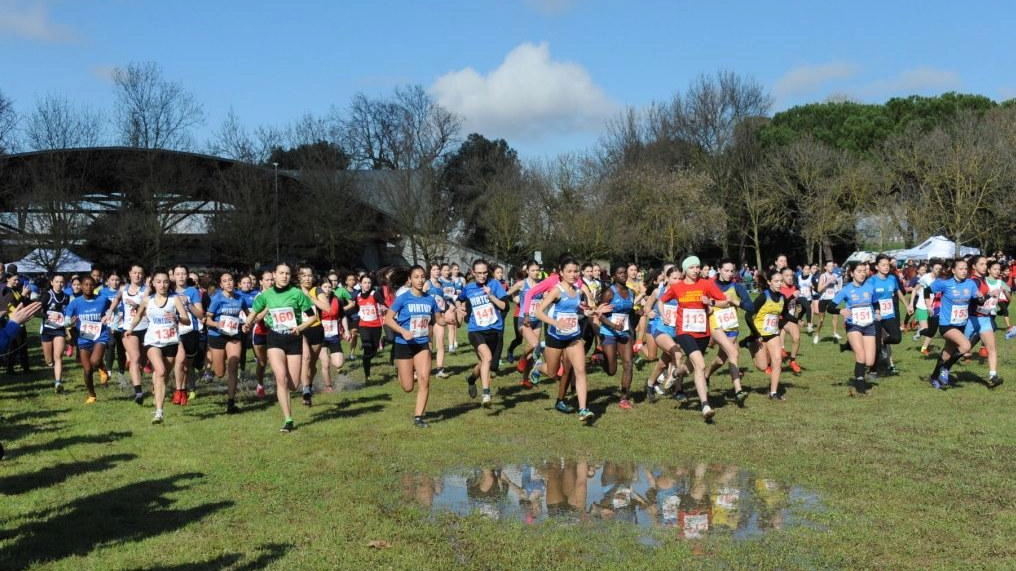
[910,478]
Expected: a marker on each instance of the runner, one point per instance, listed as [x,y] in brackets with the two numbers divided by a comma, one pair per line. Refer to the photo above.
[348,295]
[888,290]
[336,329]
[114,353]
[805,288]
[458,282]
[663,328]
[981,325]
[88,315]
[769,310]
[162,313]
[528,327]
[790,324]
[828,285]
[693,295]
[483,300]
[725,326]
[226,312]
[371,308]
[559,309]
[127,303]
[926,305]
[859,316]
[190,338]
[410,318]
[957,294]
[247,292]
[616,331]
[53,332]
[259,338]
[286,312]
[435,289]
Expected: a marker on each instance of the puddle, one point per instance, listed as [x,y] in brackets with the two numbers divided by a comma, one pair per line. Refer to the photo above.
[694,501]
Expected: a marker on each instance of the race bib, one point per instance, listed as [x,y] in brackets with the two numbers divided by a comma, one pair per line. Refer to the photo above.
[484,315]
[828,293]
[440,302]
[619,321]
[449,292]
[771,324]
[331,328]
[55,320]
[988,306]
[726,318]
[669,315]
[533,306]
[862,316]
[419,327]
[284,319]
[90,330]
[164,333]
[568,323]
[885,308]
[805,291]
[693,320]
[128,313]
[958,315]
[367,312]
[229,325]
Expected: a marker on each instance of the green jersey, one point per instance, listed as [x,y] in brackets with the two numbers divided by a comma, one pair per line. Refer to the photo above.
[286,308]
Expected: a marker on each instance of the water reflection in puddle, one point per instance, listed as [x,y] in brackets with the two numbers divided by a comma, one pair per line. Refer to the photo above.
[696,501]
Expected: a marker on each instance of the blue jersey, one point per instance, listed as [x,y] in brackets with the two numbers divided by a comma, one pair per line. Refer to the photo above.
[450,289]
[437,292]
[89,323]
[533,303]
[665,323]
[226,311]
[414,313]
[956,296]
[566,311]
[192,296]
[859,299]
[620,317]
[483,315]
[885,294]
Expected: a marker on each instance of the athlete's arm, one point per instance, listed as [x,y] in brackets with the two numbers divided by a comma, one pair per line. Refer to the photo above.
[181,311]
[548,299]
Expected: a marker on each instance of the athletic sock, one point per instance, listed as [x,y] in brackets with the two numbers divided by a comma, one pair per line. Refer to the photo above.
[137,389]
[953,360]
[992,373]
[486,391]
[859,370]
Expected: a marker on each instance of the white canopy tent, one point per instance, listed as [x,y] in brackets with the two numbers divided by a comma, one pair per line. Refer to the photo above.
[36,260]
[935,247]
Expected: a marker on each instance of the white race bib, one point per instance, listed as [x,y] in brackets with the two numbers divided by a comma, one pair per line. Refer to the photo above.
[568,323]
[55,320]
[164,333]
[229,325]
[368,312]
[958,315]
[90,330]
[771,324]
[419,326]
[862,316]
[805,291]
[885,308]
[331,328]
[726,318]
[670,315]
[989,306]
[484,315]
[128,314]
[693,320]
[619,321]
[284,319]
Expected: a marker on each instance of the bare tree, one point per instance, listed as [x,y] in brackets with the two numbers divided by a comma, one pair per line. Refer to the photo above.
[712,107]
[153,112]
[8,121]
[57,124]
[234,141]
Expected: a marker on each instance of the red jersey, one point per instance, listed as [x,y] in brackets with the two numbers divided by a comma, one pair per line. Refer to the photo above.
[692,318]
[370,310]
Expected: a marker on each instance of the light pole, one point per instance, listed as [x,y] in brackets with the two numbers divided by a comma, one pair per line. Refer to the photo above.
[276,165]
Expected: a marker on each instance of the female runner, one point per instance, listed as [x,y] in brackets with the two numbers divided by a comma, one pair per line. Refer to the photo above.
[88,314]
[53,333]
[225,314]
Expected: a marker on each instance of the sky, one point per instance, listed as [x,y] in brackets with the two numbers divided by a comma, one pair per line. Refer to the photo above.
[546,75]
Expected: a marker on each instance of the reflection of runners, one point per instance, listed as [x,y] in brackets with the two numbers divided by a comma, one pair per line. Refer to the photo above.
[90,400]
[288,426]
[419,422]
[707,412]
[625,404]
[564,407]
[157,417]
[586,415]
[442,374]
[485,400]
[260,392]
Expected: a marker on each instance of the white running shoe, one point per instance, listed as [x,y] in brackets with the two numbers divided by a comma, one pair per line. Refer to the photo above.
[707,412]
[157,417]
[814,340]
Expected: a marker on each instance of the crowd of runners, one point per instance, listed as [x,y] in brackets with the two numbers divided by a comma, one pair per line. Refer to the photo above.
[178,326]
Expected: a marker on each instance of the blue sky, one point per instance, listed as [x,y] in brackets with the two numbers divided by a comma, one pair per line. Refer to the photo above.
[543,74]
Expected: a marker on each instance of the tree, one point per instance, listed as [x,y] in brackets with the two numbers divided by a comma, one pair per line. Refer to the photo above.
[152,112]
[8,121]
[233,141]
[56,124]
[711,109]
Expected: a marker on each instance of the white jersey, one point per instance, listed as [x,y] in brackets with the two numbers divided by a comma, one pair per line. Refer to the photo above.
[163,330]
[832,285]
[131,304]
[925,282]
[804,286]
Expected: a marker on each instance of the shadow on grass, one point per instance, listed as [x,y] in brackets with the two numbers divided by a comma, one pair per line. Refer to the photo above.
[451,412]
[510,397]
[210,410]
[56,474]
[61,443]
[130,513]
[273,552]
[342,409]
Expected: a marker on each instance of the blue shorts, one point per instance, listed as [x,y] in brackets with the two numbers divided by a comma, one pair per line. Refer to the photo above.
[866,330]
[975,325]
[615,339]
[47,335]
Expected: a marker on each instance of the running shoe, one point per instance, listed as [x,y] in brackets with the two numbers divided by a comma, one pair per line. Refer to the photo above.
[669,381]
[58,387]
[741,396]
[139,399]
[103,377]
[535,376]
[260,392]
[811,328]
[814,340]
[776,396]
[983,352]
[184,398]
[351,357]
[288,426]
[206,376]
[442,374]
[786,354]
[651,395]
[586,415]
[471,387]
[707,412]
[936,385]
[994,381]
[68,351]
[329,389]
[625,404]
[660,391]
[795,367]
[485,400]
[917,336]
[510,358]
[943,378]
[526,384]
[924,351]
[176,396]
[837,337]
[157,418]
[231,407]
[419,422]
[308,399]
[90,400]
[892,371]
[769,370]
[679,396]
[191,396]
[564,407]
[521,365]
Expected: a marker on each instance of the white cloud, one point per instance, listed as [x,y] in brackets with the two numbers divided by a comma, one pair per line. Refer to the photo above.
[810,78]
[31,21]
[551,7]
[913,81]
[529,96]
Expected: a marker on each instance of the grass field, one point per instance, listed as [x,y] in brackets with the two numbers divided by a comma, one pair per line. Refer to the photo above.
[910,478]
